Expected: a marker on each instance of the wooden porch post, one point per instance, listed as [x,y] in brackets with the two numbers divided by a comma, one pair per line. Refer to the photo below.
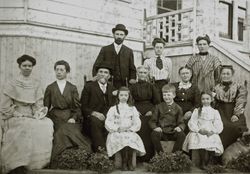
[194,25]
[246,32]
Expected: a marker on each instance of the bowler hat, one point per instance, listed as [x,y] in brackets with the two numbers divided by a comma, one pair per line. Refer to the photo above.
[120,27]
[25,57]
[105,65]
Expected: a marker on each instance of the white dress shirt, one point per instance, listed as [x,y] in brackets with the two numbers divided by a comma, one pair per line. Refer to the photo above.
[117,47]
[154,71]
[61,84]
[103,87]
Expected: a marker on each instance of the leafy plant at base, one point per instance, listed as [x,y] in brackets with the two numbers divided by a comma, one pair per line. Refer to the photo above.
[242,163]
[72,158]
[211,169]
[100,162]
[165,162]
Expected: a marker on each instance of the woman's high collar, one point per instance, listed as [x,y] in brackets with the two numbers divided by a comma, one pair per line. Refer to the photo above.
[203,53]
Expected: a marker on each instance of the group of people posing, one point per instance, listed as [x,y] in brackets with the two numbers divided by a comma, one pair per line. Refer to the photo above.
[123,109]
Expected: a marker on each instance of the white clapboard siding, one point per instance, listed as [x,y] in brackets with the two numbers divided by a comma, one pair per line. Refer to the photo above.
[107,4]
[76,23]
[87,15]
[100,18]
[95,13]
[81,58]
[11,3]
[12,14]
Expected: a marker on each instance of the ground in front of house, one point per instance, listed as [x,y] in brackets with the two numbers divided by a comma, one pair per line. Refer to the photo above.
[140,169]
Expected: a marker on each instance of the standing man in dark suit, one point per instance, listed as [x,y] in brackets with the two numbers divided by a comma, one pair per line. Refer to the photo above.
[120,58]
[96,99]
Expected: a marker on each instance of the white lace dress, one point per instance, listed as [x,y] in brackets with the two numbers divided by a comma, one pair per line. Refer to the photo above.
[27,139]
[122,130]
[210,120]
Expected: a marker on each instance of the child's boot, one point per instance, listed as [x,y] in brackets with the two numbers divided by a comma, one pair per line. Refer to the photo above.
[202,159]
[124,155]
[130,159]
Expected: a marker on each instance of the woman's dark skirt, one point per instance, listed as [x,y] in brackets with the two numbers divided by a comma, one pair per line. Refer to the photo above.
[231,130]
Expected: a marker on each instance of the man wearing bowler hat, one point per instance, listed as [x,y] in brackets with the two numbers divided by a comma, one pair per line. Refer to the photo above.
[120,58]
[96,99]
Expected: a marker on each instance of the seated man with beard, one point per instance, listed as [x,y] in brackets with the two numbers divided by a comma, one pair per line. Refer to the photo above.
[96,99]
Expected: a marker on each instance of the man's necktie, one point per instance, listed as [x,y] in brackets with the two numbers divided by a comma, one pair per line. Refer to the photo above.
[103,89]
[159,63]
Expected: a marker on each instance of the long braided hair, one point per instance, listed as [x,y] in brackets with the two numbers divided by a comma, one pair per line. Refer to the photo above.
[130,98]
[202,93]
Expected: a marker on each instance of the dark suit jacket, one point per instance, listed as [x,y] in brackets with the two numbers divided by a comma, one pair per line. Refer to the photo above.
[127,66]
[167,117]
[92,99]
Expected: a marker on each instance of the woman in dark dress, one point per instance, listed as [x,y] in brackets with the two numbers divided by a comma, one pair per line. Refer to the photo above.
[145,96]
[231,99]
[187,94]
[62,99]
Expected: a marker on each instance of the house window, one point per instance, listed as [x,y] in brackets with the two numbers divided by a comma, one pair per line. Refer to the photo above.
[241,18]
[240,29]
[164,6]
[226,17]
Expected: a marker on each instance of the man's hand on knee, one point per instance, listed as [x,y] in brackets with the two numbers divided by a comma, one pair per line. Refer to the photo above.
[158,129]
[98,115]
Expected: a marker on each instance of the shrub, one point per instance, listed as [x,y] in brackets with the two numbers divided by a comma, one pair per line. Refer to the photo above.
[210,169]
[100,162]
[71,158]
[165,162]
[242,163]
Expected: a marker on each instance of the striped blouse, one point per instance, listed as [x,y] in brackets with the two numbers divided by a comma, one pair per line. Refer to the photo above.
[205,71]
[235,94]
[164,73]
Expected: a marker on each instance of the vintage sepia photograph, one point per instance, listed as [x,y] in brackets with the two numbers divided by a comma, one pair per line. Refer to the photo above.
[124,86]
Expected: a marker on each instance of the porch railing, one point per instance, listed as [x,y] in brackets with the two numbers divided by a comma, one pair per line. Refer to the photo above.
[173,26]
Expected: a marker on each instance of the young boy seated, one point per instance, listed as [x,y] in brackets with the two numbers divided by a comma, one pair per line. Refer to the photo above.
[167,121]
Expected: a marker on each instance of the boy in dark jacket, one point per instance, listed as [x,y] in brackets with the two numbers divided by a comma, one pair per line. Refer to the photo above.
[167,121]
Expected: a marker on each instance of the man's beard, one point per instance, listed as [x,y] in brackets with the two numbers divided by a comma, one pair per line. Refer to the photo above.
[102,80]
[118,41]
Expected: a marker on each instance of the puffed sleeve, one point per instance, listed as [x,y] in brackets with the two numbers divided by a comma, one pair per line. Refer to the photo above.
[170,67]
[217,67]
[241,100]
[193,122]
[136,121]
[146,63]
[190,62]
[8,108]
[110,122]
[217,123]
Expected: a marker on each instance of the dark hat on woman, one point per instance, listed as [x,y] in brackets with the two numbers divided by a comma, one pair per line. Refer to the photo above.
[120,27]
[105,65]
[206,38]
[158,40]
[25,57]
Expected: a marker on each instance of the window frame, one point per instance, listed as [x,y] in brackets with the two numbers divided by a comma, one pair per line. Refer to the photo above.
[230,20]
[165,8]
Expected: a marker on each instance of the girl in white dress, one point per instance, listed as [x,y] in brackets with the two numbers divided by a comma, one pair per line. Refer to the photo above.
[205,126]
[122,123]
